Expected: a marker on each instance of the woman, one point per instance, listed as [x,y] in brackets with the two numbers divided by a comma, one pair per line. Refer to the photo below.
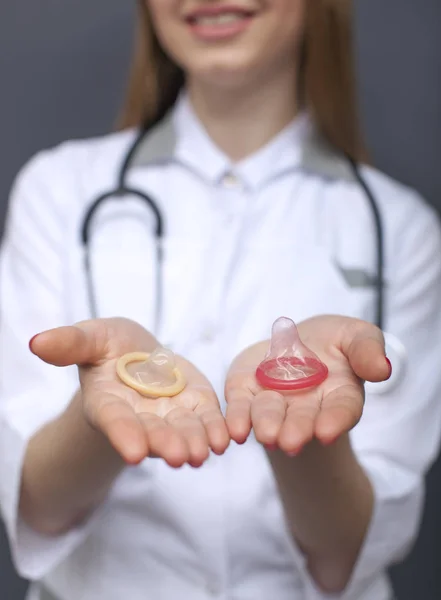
[288,496]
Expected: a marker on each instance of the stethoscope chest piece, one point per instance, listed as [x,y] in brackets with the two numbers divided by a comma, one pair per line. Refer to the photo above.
[153,375]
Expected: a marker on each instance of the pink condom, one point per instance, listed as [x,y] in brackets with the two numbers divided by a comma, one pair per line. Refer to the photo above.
[289,364]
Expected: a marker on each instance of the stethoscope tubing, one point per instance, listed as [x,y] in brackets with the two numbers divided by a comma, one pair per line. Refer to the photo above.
[123,189]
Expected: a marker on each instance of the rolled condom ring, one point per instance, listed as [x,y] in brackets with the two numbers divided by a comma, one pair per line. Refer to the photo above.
[289,364]
[154,375]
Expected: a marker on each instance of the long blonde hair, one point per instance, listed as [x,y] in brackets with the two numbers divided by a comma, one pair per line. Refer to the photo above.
[327,76]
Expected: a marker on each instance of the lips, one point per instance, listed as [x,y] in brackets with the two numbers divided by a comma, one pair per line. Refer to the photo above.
[218,15]
[222,19]
[219,22]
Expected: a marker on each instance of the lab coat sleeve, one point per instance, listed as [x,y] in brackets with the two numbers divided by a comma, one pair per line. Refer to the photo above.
[31,392]
[398,437]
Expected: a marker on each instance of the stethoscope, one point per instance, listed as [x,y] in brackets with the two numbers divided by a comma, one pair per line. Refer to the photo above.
[124,189]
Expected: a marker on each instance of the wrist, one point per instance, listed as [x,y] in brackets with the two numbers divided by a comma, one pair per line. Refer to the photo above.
[317,468]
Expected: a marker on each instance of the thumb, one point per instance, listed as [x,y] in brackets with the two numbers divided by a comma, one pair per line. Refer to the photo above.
[82,344]
[365,351]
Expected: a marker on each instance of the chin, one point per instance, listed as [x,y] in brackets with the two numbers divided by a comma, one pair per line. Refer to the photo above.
[226,73]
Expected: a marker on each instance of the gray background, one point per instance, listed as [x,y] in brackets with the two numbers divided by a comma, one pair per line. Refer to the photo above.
[62,71]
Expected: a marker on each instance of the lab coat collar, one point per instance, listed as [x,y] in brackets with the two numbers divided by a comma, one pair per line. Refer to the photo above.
[180,136]
[196,149]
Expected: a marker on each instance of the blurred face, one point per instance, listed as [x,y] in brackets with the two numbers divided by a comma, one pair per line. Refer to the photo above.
[229,42]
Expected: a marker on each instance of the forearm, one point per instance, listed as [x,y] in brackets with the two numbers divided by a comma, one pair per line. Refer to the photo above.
[328,501]
[68,469]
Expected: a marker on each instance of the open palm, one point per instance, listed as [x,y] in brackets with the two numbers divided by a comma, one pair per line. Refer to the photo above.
[353,351]
[179,429]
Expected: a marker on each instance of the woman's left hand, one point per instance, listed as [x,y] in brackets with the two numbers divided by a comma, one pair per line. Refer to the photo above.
[353,351]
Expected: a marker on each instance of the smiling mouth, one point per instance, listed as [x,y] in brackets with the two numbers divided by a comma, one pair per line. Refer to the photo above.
[225,18]
[217,23]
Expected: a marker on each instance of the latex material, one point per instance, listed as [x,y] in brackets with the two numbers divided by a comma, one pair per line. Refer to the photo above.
[154,375]
[289,364]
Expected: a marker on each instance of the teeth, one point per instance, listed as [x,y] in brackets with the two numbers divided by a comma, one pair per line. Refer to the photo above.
[223,19]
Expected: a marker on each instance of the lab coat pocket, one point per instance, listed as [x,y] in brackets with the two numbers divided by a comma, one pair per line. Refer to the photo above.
[294,280]
[308,281]
[335,288]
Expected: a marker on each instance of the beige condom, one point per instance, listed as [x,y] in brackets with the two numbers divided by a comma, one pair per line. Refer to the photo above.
[154,375]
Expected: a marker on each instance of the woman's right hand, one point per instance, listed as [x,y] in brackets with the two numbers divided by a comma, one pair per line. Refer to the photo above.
[180,430]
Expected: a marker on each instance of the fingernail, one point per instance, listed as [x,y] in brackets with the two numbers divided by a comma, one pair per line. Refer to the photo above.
[32,339]
[390,366]
[271,447]
[329,441]
[296,452]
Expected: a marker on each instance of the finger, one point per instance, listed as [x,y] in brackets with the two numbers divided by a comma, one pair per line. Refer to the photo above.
[240,390]
[118,422]
[81,344]
[238,415]
[363,345]
[189,425]
[298,427]
[215,427]
[268,411]
[202,400]
[341,410]
[164,441]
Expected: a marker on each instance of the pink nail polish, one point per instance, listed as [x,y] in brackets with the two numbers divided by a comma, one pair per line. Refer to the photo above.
[295,452]
[390,366]
[329,441]
[271,447]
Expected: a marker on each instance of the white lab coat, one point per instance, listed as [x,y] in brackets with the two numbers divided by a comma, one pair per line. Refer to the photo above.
[244,244]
